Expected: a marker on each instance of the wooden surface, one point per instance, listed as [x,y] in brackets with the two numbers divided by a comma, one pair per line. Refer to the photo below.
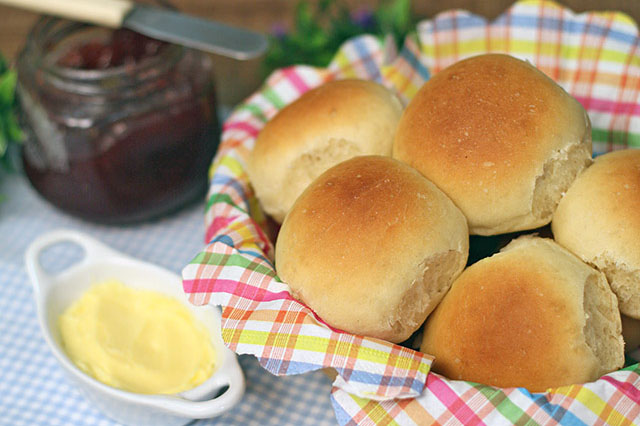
[237,79]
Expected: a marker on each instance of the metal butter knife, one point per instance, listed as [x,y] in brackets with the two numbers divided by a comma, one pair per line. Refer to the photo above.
[162,24]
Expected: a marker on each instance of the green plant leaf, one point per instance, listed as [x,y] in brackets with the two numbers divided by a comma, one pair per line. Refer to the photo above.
[8,87]
[325,5]
[10,132]
[13,130]
[395,17]
[321,27]
[4,141]
[304,18]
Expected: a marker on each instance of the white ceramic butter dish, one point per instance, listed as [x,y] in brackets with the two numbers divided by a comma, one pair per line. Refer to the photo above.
[55,292]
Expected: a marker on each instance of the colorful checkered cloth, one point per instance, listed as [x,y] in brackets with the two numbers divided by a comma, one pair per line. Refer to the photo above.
[594,56]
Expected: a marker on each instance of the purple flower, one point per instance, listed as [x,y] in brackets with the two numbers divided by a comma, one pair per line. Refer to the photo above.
[279,30]
[363,17]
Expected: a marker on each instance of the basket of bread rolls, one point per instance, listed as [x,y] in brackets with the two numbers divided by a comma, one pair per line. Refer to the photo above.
[454,236]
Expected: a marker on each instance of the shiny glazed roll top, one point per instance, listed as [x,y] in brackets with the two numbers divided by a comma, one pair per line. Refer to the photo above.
[499,137]
[372,247]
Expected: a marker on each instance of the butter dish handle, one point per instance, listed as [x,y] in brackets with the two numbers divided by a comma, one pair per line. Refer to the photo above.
[194,403]
[93,250]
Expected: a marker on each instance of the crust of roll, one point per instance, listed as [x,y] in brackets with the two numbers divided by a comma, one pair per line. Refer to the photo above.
[533,316]
[499,137]
[372,246]
[326,125]
[599,220]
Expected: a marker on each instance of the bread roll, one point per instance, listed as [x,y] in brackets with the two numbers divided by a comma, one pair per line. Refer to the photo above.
[531,316]
[499,137]
[372,246]
[326,125]
[599,220]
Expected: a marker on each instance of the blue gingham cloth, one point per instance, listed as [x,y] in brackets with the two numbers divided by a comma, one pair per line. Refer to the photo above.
[33,388]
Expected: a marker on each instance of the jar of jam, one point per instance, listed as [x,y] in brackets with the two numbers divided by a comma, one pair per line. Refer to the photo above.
[120,127]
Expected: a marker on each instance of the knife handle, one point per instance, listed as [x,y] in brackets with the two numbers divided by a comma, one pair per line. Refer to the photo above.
[108,13]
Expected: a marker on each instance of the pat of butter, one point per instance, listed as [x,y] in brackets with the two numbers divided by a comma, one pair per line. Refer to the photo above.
[137,340]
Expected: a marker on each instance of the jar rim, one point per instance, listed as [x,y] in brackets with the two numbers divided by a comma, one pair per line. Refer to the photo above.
[49,31]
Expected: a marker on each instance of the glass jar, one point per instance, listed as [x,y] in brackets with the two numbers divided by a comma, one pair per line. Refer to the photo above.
[120,128]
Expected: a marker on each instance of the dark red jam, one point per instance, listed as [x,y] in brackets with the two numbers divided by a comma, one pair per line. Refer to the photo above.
[120,129]
[121,47]
[158,165]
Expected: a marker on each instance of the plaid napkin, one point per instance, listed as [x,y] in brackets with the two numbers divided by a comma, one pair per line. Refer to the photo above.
[594,56]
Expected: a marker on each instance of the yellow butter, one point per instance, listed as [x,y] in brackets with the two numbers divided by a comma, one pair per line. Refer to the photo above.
[137,340]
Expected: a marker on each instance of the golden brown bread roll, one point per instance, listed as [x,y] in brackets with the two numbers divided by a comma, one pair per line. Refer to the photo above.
[500,138]
[533,316]
[326,125]
[372,246]
[599,220]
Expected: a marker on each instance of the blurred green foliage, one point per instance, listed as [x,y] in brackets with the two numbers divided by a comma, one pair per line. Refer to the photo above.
[320,28]
[10,132]
[9,129]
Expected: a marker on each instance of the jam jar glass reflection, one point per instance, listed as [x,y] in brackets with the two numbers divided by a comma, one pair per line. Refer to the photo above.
[120,127]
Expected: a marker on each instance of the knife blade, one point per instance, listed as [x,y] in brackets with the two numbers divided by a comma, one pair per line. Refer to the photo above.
[155,22]
[195,32]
